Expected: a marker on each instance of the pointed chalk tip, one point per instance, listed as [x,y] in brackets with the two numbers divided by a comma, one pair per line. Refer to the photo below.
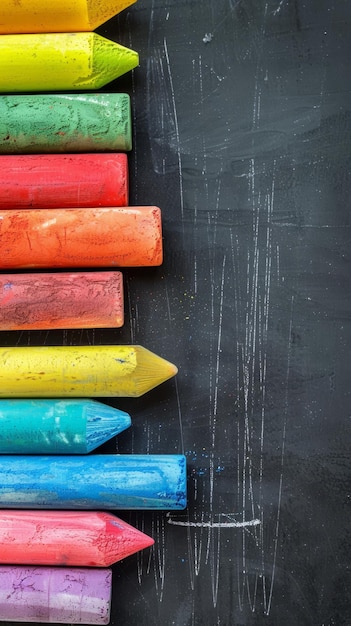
[98,12]
[110,61]
[129,540]
[152,370]
[103,422]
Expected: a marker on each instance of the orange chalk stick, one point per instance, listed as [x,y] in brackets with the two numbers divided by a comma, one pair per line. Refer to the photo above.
[99,237]
[35,181]
[63,300]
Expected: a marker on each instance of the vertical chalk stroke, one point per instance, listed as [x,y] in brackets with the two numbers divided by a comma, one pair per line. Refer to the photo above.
[252,349]
[279,7]
[205,530]
[157,557]
[285,416]
[255,256]
[164,126]
[209,523]
[175,116]
[134,112]
[164,131]
[251,337]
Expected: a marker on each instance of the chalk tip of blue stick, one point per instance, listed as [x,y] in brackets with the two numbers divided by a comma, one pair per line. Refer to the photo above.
[103,422]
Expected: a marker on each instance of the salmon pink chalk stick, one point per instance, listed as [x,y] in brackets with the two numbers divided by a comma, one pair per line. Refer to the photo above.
[61,300]
[99,237]
[51,181]
[56,595]
[74,538]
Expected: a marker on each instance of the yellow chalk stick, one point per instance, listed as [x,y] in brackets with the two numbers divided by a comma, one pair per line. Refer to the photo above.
[80,371]
[61,61]
[55,16]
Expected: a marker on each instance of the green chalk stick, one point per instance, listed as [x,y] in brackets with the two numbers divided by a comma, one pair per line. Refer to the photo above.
[65,123]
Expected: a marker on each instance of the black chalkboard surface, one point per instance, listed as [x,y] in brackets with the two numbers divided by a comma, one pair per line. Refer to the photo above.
[242,129]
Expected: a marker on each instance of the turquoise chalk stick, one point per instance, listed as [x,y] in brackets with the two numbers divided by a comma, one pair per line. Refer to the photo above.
[96,481]
[57,426]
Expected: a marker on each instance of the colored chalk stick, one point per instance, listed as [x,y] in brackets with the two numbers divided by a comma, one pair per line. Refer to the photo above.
[61,300]
[51,181]
[70,538]
[61,61]
[57,426]
[56,595]
[100,237]
[80,371]
[96,481]
[65,123]
[53,16]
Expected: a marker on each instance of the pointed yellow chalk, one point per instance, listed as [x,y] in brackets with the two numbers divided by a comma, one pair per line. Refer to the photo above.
[61,61]
[55,16]
[80,371]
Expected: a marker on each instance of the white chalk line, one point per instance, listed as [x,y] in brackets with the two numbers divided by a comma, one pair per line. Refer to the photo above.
[253,522]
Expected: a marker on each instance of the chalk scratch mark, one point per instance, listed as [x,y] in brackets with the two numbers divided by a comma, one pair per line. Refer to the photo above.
[279,7]
[176,125]
[276,534]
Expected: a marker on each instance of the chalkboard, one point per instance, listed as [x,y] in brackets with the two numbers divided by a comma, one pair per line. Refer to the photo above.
[242,131]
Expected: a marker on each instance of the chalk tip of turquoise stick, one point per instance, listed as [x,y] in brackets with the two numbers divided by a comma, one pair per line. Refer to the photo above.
[103,423]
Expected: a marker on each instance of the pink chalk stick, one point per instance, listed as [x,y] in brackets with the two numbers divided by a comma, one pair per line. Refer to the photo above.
[61,300]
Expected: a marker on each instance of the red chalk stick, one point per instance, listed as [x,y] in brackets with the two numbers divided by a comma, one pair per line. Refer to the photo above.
[64,300]
[79,538]
[52,181]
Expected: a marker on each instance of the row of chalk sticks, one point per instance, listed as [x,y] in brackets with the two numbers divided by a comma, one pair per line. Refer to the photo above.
[64,205]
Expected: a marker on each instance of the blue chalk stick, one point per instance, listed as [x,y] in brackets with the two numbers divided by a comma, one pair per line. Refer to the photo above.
[57,426]
[102,481]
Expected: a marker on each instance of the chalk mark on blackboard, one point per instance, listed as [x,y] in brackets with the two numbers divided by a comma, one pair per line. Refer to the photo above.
[279,7]
[176,126]
[241,261]
[275,541]
[157,556]
[211,524]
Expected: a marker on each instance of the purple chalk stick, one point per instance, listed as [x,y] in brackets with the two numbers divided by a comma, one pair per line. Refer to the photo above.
[55,595]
